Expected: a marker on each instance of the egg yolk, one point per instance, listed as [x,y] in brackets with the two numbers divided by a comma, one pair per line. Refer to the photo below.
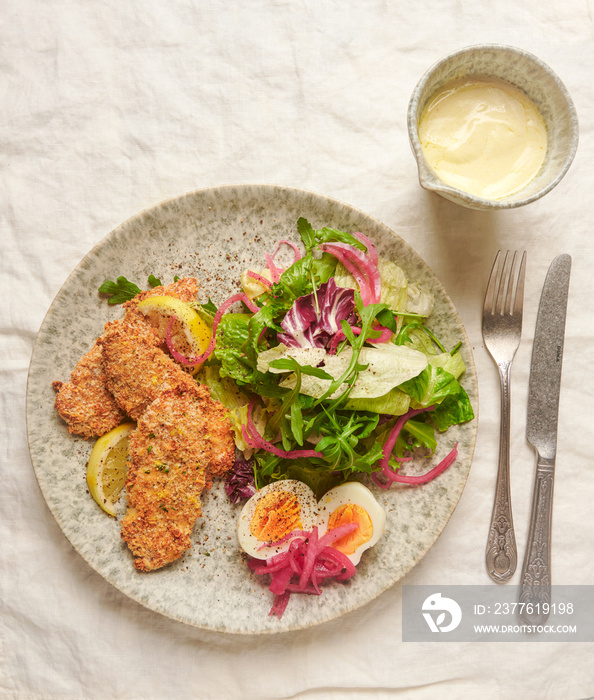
[351,513]
[276,514]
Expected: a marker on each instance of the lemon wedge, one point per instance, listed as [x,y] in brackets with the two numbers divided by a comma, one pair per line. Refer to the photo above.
[106,471]
[189,333]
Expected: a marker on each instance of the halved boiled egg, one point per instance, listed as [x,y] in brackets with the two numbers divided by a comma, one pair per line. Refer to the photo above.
[272,513]
[347,503]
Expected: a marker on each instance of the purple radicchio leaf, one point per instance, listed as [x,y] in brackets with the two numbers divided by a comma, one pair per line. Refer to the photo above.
[304,327]
[239,484]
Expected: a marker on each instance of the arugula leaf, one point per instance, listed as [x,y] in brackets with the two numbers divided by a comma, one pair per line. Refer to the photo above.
[291,364]
[154,281]
[297,421]
[386,318]
[312,238]
[307,233]
[340,441]
[292,401]
[119,291]
[299,279]
[404,335]
[331,235]
[209,307]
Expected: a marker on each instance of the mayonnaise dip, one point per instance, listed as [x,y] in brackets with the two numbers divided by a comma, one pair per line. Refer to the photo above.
[483,136]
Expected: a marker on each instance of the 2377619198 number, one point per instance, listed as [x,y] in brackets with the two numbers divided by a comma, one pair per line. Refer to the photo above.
[533,608]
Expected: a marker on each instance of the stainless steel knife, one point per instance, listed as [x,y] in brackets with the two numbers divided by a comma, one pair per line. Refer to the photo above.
[541,433]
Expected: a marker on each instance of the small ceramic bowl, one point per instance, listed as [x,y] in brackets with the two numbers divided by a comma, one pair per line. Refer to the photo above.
[542,86]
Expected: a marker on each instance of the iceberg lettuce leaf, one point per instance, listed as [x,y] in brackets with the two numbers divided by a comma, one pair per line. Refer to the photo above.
[454,364]
[394,403]
[388,366]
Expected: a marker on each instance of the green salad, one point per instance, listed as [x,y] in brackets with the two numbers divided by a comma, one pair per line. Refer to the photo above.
[330,372]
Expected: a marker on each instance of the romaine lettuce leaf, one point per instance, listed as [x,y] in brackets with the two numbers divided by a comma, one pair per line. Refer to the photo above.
[454,409]
[419,301]
[221,389]
[431,386]
[435,386]
[232,339]
[416,433]
[237,337]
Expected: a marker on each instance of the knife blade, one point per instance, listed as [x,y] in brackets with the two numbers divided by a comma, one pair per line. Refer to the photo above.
[541,432]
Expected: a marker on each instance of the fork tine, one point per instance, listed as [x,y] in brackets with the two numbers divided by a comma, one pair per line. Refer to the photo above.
[489,303]
[503,286]
[519,300]
[509,298]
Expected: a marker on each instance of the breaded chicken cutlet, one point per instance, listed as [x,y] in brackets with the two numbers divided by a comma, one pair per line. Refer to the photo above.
[182,439]
[137,370]
[85,402]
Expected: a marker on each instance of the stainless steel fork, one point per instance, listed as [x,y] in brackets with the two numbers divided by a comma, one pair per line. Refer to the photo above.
[502,329]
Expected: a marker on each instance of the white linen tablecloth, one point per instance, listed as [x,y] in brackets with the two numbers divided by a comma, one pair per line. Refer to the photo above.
[110,107]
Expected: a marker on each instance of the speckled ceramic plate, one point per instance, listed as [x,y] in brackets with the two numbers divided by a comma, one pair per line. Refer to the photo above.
[214,234]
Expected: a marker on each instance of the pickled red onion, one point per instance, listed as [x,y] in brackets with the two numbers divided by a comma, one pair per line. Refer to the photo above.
[394,476]
[395,432]
[275,272]
[371,251]
[363,267]
[256,441]
[291,245]
[428,476]
[259,278]
[310,558]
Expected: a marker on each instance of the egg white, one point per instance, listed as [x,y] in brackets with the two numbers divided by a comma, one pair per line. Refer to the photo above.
[355,493]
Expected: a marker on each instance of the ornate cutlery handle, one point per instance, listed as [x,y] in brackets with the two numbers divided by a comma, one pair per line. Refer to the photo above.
[535,588]
[501,554]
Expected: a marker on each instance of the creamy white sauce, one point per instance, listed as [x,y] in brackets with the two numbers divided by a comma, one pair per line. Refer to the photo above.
[483,136]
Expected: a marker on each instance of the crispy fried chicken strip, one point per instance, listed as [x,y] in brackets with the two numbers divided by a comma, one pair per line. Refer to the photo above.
[182,438]
[85,402]
[137,369]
